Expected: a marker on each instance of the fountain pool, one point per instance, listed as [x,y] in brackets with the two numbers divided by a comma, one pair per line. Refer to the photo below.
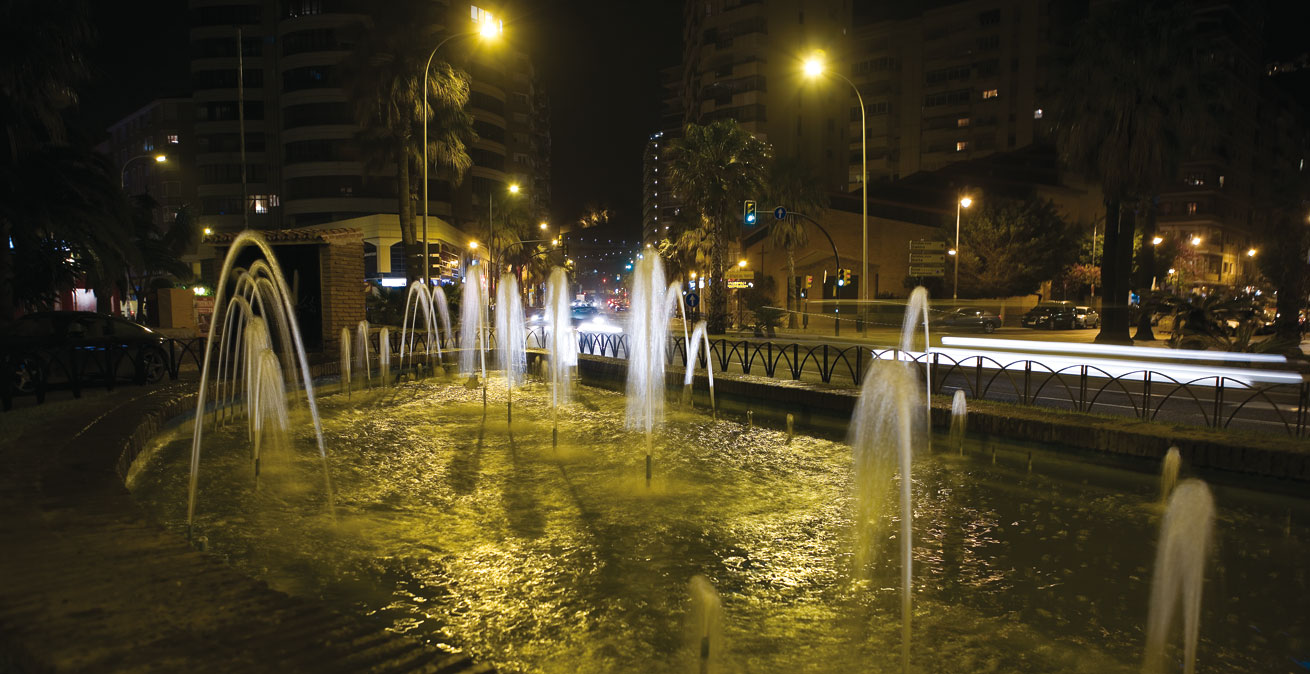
[541,559]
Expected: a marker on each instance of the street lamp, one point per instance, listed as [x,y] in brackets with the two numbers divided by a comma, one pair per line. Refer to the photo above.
[1157,241]
[489,29]
[1250,252]
[1196,241]
[813,68]
[962,202]
[741,264]
[122,175]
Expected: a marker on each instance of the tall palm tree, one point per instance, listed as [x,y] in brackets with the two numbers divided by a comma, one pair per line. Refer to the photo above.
[384,81]
[793,184]
[1134,101]
[41,62]
[714,168]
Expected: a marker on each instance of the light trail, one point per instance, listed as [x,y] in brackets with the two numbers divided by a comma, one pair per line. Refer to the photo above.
[1111,350]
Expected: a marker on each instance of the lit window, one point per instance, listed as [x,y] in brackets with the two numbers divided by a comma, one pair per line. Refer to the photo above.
[1037,114]
[962,122]
[1191,207]
[1221,181]
[991,93]
[172,139]
[148,145]
[961,146]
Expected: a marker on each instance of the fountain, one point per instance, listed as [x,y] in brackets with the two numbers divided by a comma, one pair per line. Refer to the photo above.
[345,361]
[917,306]
[384,355]
[1173,461]
[472,337]
[648,334]
[266,280]
[442,306]
[269,420]
[560,345]
[705,626]
[362,363]
[959,419]
[1179,573]
[699,336]
[418,298]
[884,429]
[511,337]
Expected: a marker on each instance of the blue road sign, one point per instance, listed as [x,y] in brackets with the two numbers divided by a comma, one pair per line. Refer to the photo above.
[780,212]
[692,300]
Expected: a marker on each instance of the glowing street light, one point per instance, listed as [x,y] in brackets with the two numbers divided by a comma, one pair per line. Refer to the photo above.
[962,202]
[950,252]
[741,264]
[1196,241]
[489,28]
[122,175]
[513,188]
[473,245]
[544,226]
[1157,241]
[814,67]
[209,231]
[1250,252]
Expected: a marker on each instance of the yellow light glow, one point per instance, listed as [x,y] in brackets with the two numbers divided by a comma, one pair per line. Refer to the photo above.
[473,245]
[161,158]
[950,252]
[1196,241]
[741,263]
[1250,252]
[813,66]
[209,231]
[490,27]
[544,226]
[1157,241]
[1172,270]
[554,242]
[966,202]
[514,188]
[693,276]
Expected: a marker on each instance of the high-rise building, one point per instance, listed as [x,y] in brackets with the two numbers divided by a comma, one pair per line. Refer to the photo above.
[951,82]
[742,60]
[303,165]
[659,205]
[162,127]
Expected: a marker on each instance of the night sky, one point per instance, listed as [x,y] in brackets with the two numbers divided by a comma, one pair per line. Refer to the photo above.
[599,62]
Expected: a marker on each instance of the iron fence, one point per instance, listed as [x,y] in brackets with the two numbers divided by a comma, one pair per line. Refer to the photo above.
[36,371]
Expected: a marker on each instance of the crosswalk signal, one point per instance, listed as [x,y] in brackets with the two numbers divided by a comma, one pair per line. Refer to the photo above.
[748,213]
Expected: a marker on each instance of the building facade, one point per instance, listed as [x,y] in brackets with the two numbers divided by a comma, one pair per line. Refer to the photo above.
[163,127]
[303,166]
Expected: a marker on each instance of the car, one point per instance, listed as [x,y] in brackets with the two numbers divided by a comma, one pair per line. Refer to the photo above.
[1086,317]
[971,319]
[40,347]
[583,313]
[1050,315]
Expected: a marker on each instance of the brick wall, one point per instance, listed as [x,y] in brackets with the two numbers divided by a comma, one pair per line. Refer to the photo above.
[341,264]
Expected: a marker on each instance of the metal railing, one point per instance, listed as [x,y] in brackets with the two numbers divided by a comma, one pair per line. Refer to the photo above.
[76,368]
[1215,401]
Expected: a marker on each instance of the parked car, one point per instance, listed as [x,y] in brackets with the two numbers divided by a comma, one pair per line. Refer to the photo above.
[583,313]
[1086,317]
[970,318]
[1050,315]
[42,344]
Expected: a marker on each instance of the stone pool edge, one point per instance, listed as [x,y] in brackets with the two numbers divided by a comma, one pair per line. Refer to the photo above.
[829,408]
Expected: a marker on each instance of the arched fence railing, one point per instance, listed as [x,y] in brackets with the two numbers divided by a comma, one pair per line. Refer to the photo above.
[1216,401]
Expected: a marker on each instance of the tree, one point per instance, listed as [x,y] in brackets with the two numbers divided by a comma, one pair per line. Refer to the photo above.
[384,82]
[42,65]
[1010,247]
[714,168]
[793,184]
[1137,95]
[593,215]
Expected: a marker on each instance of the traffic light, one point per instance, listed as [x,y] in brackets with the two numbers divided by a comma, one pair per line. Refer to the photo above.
[809,281]
[846,277]
[841,277]
[748,213]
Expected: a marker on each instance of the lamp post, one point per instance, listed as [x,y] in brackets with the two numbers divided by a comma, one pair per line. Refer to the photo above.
[489,28]
[122,174]
[962,202]
[814,67]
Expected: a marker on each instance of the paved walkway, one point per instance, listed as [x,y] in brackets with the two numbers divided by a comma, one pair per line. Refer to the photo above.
[88,583]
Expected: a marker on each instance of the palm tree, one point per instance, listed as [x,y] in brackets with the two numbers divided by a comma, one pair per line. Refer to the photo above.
[42,46]
[1135,100]
[714,168]
[385,85]
[793,184]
